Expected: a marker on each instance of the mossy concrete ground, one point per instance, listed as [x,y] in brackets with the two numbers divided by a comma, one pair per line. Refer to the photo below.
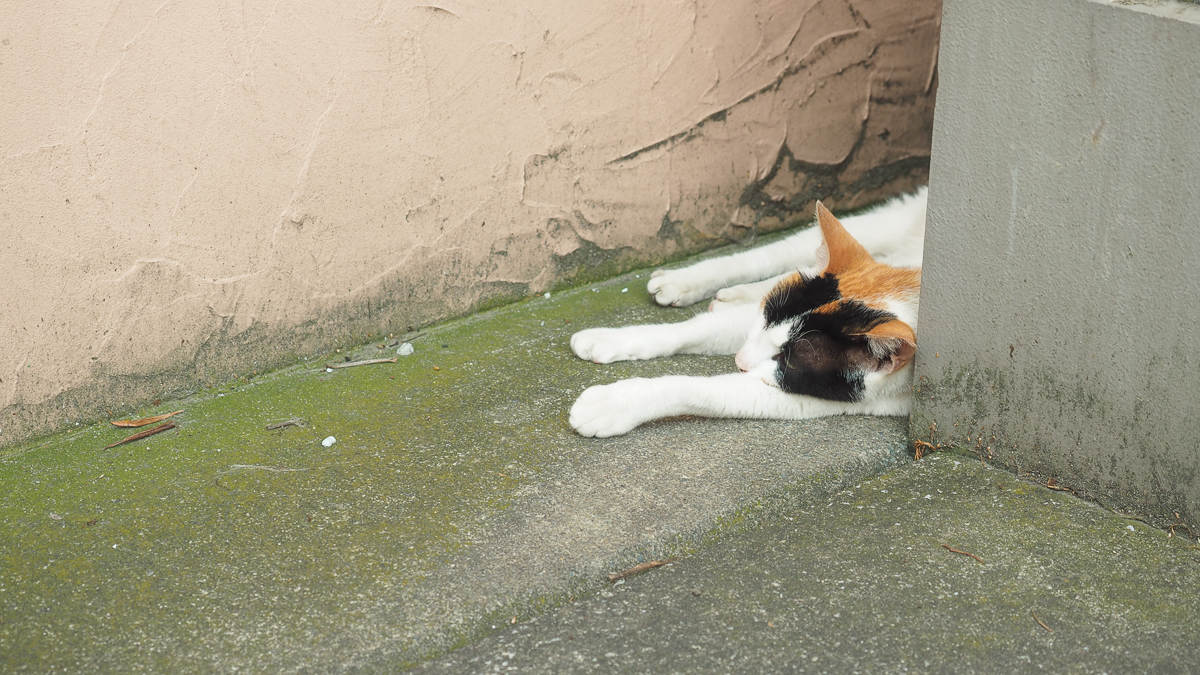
[457,505]
[455,498]
[863,583]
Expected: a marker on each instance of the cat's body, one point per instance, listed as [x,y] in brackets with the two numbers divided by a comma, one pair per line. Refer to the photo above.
[835,337]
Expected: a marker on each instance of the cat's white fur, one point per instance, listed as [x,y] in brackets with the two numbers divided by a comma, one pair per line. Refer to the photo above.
[893,233]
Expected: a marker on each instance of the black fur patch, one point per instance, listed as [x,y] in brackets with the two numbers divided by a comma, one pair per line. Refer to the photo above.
[826,357]
[790,301]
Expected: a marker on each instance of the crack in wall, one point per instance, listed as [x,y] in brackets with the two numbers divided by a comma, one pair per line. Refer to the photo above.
[331,97]
[104,80]
[720,115]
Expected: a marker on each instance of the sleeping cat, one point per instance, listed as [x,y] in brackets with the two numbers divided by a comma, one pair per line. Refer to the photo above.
[831,330]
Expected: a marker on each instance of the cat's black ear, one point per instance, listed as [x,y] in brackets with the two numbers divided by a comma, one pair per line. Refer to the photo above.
[893,343]
[839,251]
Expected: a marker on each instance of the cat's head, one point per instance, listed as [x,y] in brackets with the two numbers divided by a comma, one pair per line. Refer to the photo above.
[837,333]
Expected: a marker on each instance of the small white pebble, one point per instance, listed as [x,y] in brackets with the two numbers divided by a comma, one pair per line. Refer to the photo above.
[406,349]
[624,290]
[546,294]
[114,545]
[55,516]
[329,370]
[329,440]
[543,323]
[928,496]
[1130,528]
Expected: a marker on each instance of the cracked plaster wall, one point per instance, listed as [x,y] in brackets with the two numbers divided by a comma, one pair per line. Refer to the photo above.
[192,192]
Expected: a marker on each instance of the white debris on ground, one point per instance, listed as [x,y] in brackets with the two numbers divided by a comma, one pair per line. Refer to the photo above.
[405,349]
[329,440]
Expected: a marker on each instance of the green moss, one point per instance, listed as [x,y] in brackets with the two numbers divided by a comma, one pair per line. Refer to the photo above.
[237,519]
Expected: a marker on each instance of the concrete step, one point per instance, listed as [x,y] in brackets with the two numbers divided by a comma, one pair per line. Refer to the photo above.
[864,583]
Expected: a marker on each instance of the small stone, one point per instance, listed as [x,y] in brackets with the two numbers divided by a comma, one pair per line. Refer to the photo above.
[697,592]
[329,440]
[55,516]
[405,349]
[624,290]
[546,294]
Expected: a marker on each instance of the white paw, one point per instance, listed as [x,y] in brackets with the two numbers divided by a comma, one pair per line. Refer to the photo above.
[611,409]
[676,288]
[605,345]
[733,296]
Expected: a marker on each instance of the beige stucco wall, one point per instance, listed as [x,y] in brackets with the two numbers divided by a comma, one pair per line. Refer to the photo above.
[191,192]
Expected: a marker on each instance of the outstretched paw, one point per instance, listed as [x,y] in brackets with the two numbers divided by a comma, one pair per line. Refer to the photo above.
[610,409]
[676,288]
[605,345]
[742,294]
[732,297]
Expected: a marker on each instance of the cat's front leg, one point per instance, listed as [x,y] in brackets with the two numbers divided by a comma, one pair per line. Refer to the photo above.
[615,409]
[683,287]
[707,333]
[691,284]
[743,294]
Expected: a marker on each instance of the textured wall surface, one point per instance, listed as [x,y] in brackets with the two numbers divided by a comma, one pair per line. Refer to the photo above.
[1060,296]
[191,192]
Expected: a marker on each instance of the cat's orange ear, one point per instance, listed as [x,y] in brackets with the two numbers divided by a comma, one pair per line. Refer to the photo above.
[838,251]
[893,343]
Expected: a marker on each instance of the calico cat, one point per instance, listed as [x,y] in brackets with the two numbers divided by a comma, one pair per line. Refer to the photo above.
[834,333]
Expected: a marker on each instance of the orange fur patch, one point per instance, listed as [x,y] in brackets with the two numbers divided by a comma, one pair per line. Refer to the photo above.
[874,284]
[859,276]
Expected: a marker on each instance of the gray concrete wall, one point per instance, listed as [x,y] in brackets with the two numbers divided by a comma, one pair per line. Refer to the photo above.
[1060,296]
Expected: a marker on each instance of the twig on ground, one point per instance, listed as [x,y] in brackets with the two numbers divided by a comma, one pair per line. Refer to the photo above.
[638,569]
[1035,618]
[1053,485]
[954,550]
[360,363]
[1171,530]
[143,434]
[264,467]
[144,421]
[920,446]
[294,422]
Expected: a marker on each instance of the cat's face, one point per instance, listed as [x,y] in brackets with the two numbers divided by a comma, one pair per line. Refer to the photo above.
[839,333]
